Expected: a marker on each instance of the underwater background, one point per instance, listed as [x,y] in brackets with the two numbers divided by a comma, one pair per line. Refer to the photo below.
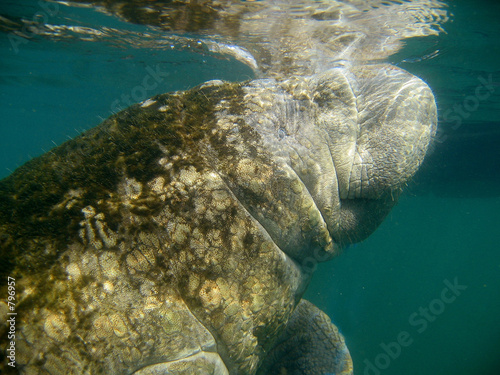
[422,294]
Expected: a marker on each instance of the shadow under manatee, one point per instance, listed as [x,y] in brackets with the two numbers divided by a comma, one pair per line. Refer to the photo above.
[464,164]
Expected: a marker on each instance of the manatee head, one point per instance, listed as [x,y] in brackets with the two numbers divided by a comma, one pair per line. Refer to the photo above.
[353,135]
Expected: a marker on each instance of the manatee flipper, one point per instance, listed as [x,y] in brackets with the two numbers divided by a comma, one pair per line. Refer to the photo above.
[202,363]
[310,345]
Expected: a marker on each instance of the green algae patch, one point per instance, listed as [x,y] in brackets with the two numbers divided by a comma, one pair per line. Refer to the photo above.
[41,202]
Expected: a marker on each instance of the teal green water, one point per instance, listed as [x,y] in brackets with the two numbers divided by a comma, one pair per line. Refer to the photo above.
[375,290]
[422,294]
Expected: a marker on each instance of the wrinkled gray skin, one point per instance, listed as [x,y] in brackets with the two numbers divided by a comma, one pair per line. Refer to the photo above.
[178,236]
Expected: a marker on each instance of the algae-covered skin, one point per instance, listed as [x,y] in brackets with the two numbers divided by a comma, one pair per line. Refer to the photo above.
[178,236]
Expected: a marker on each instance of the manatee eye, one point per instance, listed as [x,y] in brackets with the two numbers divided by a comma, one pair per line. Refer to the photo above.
[282,133]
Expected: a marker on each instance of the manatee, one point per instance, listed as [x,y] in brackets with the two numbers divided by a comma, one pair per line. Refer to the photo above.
[178,236]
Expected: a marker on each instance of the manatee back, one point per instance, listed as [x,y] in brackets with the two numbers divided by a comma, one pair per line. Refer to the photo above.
[128,247]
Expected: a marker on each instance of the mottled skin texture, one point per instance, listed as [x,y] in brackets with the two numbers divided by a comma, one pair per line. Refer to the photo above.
[181,233]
